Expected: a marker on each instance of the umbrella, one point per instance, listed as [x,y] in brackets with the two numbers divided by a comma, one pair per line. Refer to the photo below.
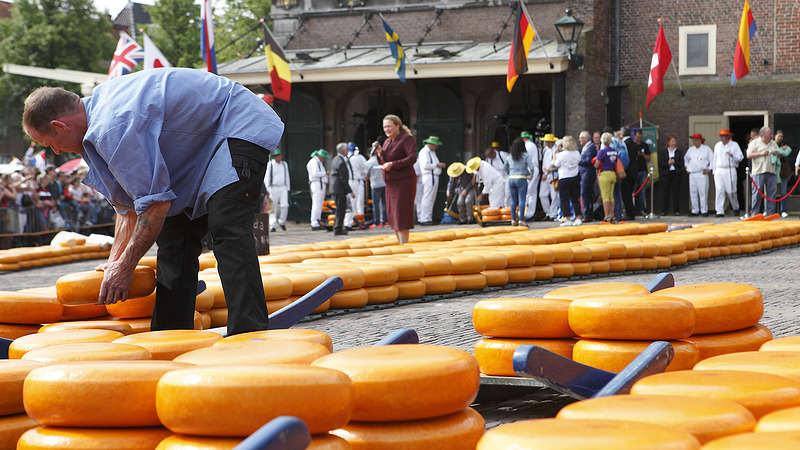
[72,165]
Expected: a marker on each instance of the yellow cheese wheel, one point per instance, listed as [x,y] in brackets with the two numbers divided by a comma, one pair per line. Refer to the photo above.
[29,307]
[541,272]
[522,318]
[277,305]
[168,344]
[379,274]
[761,393]
[633,317]
[562,270]
[140,325]
[493,259]
[434,266]
[581,268]
[495,277]
[304,282]
[33,341]
[328,442]
[377,295]
[599,252]
[784,363]
[219,317]
[271,351]
[470,282]
[215,287]
[134,308]
[276,287]
[112,325]
[526,274]
[350,298]
[292,334]
[461,430]
[649,263]
[406,382]
[12,375]
[662,262]
[410,289]
[678,259]
[183,442]
[13,427]
[84,287]
[705,418]
[439,284]
[88,351]
[621,264]
[721,307]
[95,393]
[782,420]
[582,434]
[42,438]
[204,301]
[616,250]
[149,261]
[80,312]
[467,264]
[749,339]
[407,269]
[778,440]
[600,266]
[352,277]
[495,355]
[13,331]
[789,343]
[562,254]
[189,400]
[693,255]
[614,356]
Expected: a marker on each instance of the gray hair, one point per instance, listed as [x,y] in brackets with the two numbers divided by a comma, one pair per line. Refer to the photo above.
[45,105]
[342,148]
[763,130]
[585,134]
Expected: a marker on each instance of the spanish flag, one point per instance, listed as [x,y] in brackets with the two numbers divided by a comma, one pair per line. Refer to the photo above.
[741,59]
[520,45]
[278,65]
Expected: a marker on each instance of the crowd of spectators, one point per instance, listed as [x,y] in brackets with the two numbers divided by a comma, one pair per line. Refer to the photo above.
[33,201]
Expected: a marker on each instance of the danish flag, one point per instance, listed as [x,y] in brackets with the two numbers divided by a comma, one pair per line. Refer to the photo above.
[127,55]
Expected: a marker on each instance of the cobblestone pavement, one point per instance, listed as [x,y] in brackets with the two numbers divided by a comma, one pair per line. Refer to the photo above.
[448,321]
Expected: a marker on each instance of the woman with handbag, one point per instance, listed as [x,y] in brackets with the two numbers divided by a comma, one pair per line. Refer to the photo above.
[609,168]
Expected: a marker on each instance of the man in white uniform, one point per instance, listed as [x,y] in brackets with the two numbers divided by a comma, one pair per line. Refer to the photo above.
[278,185]
[533,183]
[431,169]
[491,178]
[497,159]
[727,155]
[318,181]
[418,192]
[547,192]
[698,159]
[358,175]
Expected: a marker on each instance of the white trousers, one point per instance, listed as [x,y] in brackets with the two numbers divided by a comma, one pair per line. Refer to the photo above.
[698,192]
[507,194]
[280,199]
[356,204]
[547,195]
[496,193]
[317,200]
[532,196]
[418,198]
[725,184]
[429,187]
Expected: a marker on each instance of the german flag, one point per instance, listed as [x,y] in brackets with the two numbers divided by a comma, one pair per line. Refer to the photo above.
[278,65]
[520,44]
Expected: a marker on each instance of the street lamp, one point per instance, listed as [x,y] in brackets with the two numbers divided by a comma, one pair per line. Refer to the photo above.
[569,30]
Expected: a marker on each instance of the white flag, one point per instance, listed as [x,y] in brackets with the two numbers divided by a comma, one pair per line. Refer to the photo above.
[153,58]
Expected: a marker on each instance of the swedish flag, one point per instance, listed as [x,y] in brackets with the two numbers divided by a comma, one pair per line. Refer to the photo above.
[397,51]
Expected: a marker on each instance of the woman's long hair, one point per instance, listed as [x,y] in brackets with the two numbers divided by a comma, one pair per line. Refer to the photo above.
[396,120]
[518,149]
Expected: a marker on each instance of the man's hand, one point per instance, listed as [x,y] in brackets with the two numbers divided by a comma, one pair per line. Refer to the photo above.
[353,194]
[116,281]
[441,165]
[706,172]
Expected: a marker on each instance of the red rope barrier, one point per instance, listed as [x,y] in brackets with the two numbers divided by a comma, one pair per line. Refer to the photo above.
[642,186]
[772,200]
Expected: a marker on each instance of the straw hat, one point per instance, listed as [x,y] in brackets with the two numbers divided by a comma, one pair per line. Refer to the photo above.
[549,137]
[473,164]
[456,169]
[495,144]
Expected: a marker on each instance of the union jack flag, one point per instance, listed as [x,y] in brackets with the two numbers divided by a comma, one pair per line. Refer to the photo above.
[127,55]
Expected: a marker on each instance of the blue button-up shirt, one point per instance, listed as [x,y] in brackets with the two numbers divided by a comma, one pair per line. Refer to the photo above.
[161,136]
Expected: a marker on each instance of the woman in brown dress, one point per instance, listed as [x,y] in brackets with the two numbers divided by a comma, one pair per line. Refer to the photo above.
[398,158]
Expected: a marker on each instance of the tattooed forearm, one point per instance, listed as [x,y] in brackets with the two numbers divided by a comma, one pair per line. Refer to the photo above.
[143,222]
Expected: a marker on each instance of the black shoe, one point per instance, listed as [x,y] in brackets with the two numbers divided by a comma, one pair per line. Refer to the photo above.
[339,232]
[693,214]
[736,213]
[587,219]
[283,227]
[677,213]
[272,230]
[428,224]
[317,228]
[705,214]
[663,213]
[720,215]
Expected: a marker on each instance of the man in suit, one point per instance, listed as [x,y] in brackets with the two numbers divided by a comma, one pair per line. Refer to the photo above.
[340,186]
[588,174]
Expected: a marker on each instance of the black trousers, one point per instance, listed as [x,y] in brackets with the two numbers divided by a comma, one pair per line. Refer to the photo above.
[341,208]
[569,190]
[230,222]
[671,189]
[627,190]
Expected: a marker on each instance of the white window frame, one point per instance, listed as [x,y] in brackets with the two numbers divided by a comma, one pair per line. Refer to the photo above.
[711,31]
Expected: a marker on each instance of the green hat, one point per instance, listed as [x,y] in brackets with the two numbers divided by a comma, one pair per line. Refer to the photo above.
[526,134]
[433,140]
[275,152]
[322,153]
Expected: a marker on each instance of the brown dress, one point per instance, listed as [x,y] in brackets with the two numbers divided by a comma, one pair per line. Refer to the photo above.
[401,181]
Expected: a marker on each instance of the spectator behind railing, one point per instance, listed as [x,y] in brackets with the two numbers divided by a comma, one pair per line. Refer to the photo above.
[8,206]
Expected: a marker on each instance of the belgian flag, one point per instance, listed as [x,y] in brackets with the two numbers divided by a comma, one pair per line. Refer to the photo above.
[520,45]
[278,65]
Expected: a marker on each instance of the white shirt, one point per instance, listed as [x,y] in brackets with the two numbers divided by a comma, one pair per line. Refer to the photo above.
[698,159]
[547,161]
[499,161]
[533,154]
[567,163]
[277,175]
[671,155]
[488,174]
[721,158]
[427,162]
[359,165]
[316,171]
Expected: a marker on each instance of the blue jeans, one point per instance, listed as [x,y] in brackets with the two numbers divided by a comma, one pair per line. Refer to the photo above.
[781,192]
[518,190]
[379,205]
[768,183]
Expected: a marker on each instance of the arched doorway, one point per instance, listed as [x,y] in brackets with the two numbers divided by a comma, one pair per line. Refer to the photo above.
[362,120]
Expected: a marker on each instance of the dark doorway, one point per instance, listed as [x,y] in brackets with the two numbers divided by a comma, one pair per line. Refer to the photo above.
[741,126]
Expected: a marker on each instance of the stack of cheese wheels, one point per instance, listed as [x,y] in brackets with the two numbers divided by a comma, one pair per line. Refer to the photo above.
[511,322]
[23,312]
[188,401]
[467,271]
[615,330]
[168,344]
[379,282]
[705,418]
[437,278]
[19,347]
[352,294]
[409,396]
[66,251]
[490,214]
[13,419]
[89,404]
[84,287]
[759,392]
[71,312]
[585,434]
